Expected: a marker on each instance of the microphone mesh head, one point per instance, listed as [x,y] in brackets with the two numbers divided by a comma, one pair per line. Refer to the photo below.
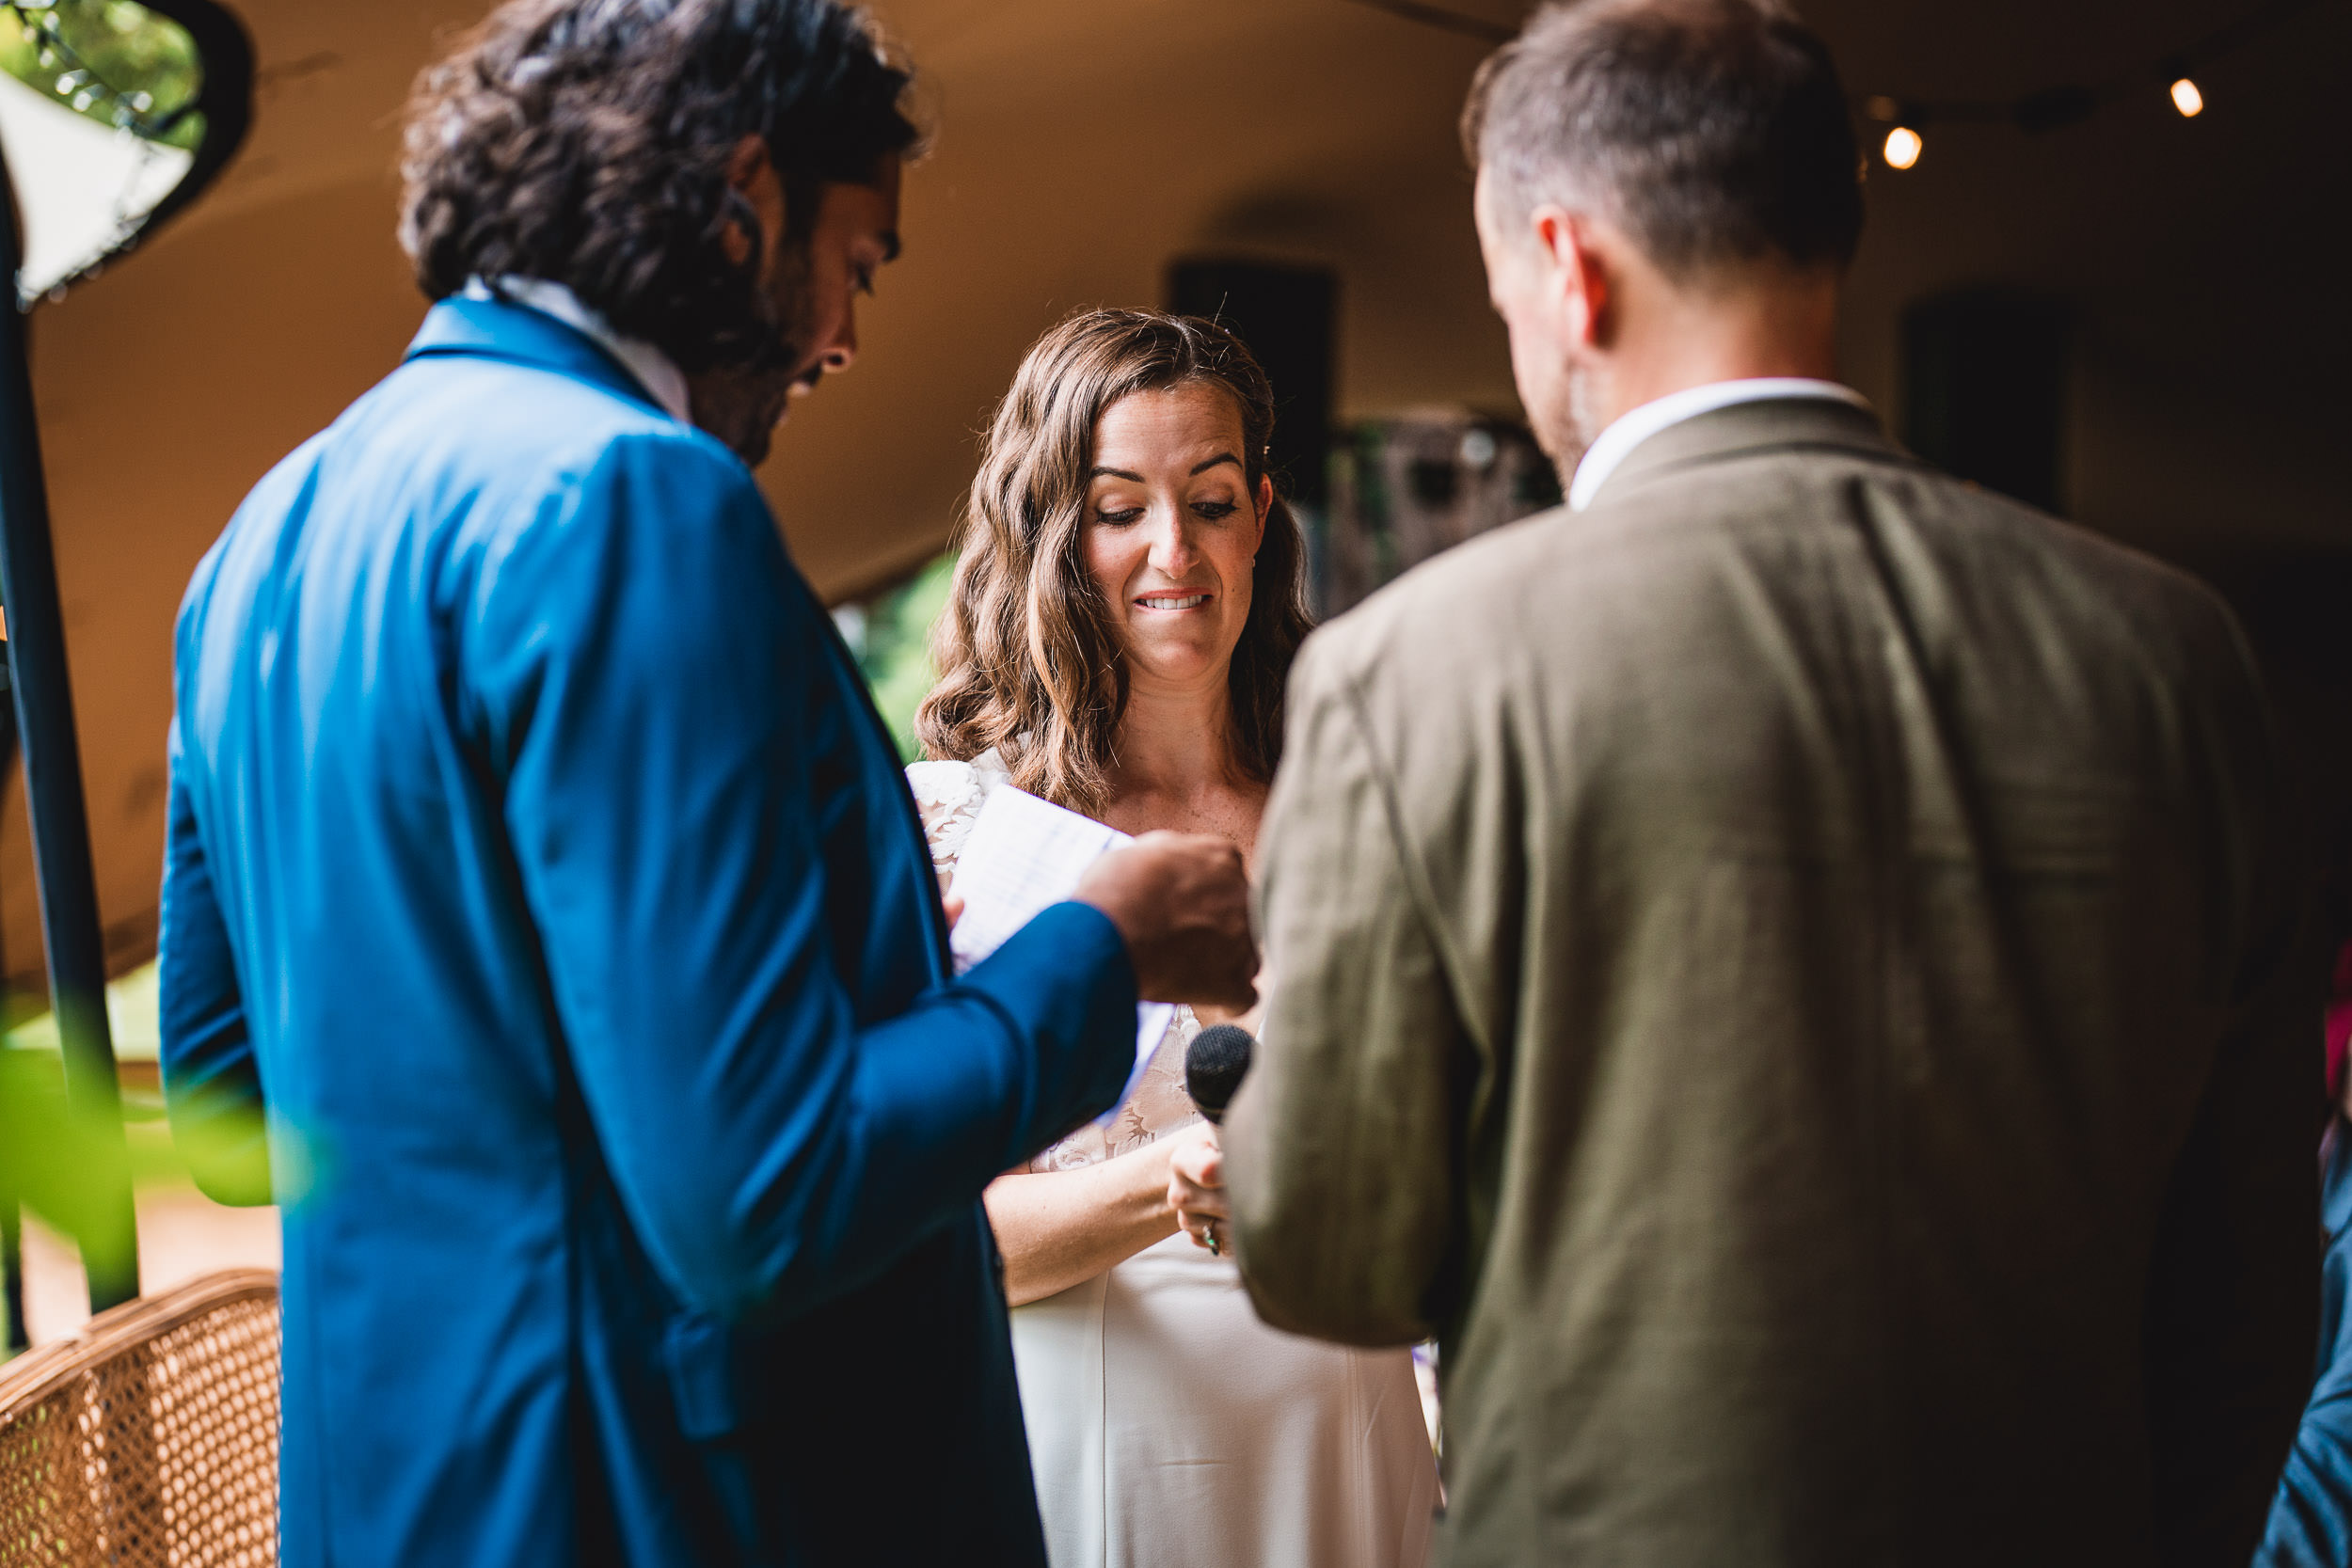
[1213,1065]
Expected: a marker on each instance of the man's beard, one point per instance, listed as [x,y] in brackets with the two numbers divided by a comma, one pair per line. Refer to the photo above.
[1570,428]
[743,403]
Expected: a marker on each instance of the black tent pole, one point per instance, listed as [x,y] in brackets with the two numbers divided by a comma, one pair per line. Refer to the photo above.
[53,787]
[11,1222]
[13,1278]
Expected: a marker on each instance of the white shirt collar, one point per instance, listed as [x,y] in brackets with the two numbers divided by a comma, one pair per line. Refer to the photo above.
[1637,425]
[648,364]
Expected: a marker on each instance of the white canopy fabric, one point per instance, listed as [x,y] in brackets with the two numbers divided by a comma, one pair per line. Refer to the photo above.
[79,186]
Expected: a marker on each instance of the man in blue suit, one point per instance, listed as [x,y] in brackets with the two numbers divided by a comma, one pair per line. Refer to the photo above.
[546,921]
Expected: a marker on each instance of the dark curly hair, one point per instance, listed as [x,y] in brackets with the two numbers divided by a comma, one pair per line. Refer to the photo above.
[1027,654]
[586,142]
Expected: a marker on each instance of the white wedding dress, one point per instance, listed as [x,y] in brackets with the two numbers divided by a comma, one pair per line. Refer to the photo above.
[1168,1428]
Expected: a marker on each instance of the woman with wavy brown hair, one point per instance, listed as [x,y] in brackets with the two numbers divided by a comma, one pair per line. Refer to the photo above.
[1128,598]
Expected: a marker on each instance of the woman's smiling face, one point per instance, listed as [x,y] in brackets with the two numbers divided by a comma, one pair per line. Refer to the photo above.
[1173,529]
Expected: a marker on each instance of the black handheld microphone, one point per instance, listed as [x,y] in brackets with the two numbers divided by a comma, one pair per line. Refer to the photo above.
[1214,1063]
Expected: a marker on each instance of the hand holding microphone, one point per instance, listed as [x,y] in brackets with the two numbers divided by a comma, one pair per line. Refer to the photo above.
[1215,1064]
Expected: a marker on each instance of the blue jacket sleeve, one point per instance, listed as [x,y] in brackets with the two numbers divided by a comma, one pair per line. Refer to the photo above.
[652,692]
[2310,1516]
[211,1085]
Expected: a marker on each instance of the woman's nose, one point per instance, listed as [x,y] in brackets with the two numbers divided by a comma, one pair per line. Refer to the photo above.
[1172,549]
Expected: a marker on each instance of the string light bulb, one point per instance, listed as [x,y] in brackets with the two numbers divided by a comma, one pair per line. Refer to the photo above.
[2186,99]
[1903,147]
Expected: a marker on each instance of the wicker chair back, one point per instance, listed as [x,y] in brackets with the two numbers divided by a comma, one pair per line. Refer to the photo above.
[150,1438]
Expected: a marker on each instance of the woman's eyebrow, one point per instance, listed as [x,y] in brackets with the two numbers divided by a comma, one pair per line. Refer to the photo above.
[1139,478]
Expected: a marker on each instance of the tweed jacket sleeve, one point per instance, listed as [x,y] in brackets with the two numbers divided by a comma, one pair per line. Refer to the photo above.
[1341,1149]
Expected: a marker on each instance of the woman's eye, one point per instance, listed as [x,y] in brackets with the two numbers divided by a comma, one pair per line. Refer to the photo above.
[1115,518]
[1214,510]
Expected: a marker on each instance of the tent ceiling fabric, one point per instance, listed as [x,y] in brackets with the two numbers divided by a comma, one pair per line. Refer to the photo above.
[1083,144]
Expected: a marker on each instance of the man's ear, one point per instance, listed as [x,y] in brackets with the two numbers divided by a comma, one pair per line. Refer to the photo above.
[746,167]
[1576,272]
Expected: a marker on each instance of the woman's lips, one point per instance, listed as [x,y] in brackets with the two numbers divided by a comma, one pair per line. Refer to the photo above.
[1172,601]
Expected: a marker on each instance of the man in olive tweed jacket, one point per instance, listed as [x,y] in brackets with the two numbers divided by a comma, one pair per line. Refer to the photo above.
[1782,965]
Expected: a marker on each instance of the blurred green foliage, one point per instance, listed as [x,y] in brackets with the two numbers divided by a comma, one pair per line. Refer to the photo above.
[59,1165]
[894,652]
[128,47]
[225,1151]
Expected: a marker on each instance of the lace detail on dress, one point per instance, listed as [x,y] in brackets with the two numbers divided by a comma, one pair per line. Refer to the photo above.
[950,795]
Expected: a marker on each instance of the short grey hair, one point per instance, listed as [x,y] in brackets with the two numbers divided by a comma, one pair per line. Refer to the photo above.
[1715,133]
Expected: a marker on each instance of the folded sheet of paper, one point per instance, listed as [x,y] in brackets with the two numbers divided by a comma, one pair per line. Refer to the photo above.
[1024,854]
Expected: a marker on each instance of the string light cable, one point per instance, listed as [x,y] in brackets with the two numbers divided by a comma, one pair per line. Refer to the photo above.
[2051,108]
[2056,108]
[79,86]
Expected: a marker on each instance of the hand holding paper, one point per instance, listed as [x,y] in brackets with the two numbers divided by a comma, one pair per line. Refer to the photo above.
[1180,902]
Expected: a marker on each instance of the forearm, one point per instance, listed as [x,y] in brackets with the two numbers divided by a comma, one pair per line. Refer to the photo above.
[1060,1229]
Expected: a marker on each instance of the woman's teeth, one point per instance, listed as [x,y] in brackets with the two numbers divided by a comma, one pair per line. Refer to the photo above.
[1188,601]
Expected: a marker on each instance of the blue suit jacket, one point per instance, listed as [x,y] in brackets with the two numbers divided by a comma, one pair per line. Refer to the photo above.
[537,860]
[2311,1520]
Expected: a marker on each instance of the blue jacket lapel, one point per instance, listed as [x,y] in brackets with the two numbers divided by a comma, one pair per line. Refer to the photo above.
[891,780]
